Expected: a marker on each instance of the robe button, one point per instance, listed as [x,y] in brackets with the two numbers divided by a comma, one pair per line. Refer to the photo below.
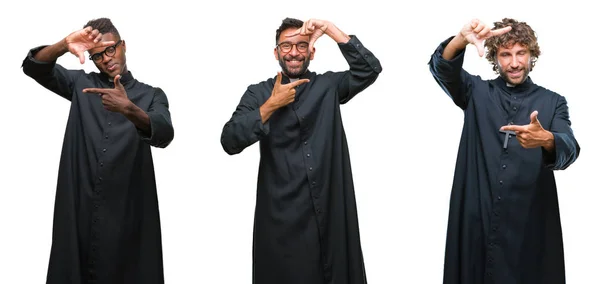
[305,143]
[514,108]
[310,169]
[308,155]
[501,182]
[109,123]
[504,166]
[499,198]
[104,150]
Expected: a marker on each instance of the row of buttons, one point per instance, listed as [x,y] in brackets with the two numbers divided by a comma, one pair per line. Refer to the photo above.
[96,217]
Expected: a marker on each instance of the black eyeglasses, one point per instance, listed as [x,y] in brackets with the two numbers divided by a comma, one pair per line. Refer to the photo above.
[109,51]
[287,46]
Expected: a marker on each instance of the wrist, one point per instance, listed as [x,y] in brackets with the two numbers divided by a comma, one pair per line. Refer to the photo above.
[459,42]
[336,34]
[270,105]
[549,141]
[63,45]
[129,108]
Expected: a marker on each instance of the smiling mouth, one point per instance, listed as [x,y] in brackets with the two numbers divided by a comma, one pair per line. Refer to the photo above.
[515,73]
[294,63]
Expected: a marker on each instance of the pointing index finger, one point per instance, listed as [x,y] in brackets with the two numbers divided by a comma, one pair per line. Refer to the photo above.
[298,83]
[501,31]
[295,33]
[95,90]
[516,128]
[105,43]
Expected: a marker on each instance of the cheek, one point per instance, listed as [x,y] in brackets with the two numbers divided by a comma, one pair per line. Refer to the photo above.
[524,60]
[501,63]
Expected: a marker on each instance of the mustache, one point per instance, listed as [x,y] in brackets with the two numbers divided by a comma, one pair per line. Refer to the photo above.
[297,57]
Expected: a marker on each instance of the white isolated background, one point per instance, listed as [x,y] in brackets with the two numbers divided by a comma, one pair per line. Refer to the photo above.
[403,131]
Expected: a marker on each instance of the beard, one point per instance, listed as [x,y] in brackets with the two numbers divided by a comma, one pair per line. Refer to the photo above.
[294,72]
[505,74]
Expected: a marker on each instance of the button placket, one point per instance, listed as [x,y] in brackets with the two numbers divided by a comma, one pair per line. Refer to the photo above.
[97,201]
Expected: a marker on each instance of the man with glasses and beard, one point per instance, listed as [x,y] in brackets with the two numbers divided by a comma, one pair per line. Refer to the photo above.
[306,225]
[504,224]
[106,218]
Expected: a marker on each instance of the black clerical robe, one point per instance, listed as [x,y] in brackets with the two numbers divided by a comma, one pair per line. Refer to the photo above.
[504,225]
[306,225]
[106,217]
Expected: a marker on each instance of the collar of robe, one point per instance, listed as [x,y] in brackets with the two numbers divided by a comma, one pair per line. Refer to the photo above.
[524,88]
[286,80]
[124,78]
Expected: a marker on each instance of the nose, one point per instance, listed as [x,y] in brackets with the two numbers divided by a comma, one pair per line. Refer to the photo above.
[514,62]
[294,50]
[105,58]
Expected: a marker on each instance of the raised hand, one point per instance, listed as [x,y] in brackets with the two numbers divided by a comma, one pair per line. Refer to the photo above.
[284,94]
[313,28]
[115,99]
[476,32]
[532,135]
[83,40]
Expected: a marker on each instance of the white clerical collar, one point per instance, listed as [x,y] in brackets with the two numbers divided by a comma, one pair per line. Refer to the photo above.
[293,80]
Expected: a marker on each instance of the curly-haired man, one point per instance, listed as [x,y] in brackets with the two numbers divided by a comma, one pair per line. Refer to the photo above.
[504,224]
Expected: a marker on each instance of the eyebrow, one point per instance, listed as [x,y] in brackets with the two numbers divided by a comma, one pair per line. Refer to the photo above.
[293,42]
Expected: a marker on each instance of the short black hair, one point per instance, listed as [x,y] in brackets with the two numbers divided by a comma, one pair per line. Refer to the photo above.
[286,24]
[103,25]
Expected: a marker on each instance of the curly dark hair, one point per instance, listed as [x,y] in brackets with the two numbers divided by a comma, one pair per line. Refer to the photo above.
[286,24]
[104,26]
[520,33]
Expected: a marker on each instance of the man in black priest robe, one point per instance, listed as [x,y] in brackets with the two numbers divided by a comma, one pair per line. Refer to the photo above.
[106,218]
[504,225]
[306,224]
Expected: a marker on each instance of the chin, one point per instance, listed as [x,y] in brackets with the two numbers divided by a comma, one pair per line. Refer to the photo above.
[295,73]
[518,81]
[113,73]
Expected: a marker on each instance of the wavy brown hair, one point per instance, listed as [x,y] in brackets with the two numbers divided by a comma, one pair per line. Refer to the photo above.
[520,33]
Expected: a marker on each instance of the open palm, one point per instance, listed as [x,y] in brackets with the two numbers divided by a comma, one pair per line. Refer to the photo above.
[83,40]
[476,32]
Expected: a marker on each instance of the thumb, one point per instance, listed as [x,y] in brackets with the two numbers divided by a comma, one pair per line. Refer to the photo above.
[117,81]
[533,117]
[480,48]
[278,80]
[311,43]
[81,57]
